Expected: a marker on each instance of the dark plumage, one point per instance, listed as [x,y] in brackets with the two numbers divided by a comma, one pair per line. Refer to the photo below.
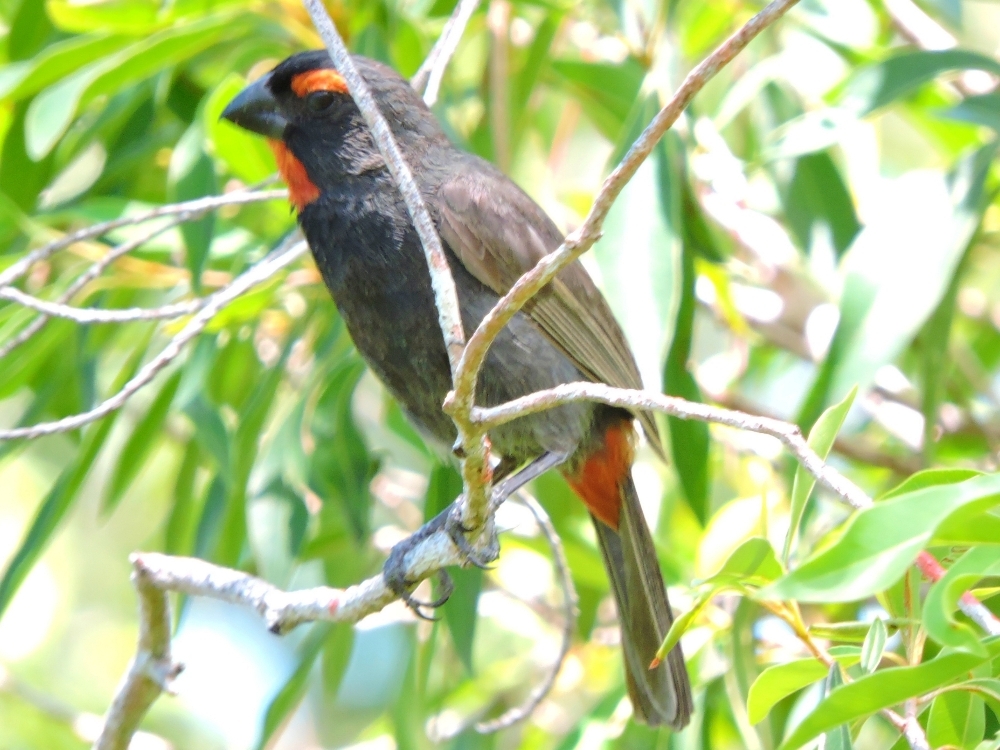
[370,257]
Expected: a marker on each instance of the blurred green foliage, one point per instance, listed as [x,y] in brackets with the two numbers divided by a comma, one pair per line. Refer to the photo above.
[825,218]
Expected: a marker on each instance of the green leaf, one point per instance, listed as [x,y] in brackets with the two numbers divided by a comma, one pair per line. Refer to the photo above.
[607,92]
[751,564]
[923,215]
[22,79]
[337,655]
[874,645]
[838,738]
[210,432]
[881,542]
[942,598]
[930,478]
[957,719]
[180,523]
[979,110]
[60,498]
[53,110]
[821,439]
[290,695]
[139,444]
[341,468]
[192,175]
[778,682]
[689,439]
[882,689]
[818,199]
[29,29]
[885,82]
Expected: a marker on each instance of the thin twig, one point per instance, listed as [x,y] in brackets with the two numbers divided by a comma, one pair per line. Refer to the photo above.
[570,612]
[189,209]
[577,243]
[82,280]
[86,315]
[474,447]
[428,77]
[255,275]
[789,434]
[786,432]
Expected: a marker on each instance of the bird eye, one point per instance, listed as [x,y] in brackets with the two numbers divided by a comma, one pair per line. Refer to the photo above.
[319,101]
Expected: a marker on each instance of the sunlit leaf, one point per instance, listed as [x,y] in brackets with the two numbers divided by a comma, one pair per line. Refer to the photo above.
[942,598]
[884,688]
[881,542]
[885,82]
[778,682]
[874,646]
[821,439]
[957,719]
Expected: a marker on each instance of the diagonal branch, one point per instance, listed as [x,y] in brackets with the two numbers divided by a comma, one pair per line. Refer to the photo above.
[789,434]
[264,270]
[431,72]
[472,444]
[189,210]
[577,243]
[86,315]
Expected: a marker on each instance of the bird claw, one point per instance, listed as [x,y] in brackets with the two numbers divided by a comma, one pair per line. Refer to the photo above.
[450,521]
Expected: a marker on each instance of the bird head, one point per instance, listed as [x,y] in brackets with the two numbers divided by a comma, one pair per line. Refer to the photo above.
[315,129]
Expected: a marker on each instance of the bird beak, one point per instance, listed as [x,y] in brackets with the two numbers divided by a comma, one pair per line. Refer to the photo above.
[255,109]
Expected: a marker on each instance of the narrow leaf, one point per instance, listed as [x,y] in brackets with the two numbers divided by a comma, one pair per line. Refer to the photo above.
[874,645]
[821,439]
[881,542]
[885,688]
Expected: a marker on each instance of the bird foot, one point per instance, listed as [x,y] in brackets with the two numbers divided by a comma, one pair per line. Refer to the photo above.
[450,521]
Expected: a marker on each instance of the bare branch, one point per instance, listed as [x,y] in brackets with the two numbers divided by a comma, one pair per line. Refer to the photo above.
[476,473]
[428,77]
[789,434]
[570,612]
[589,232]
[85,315]
[150,672]
[188,210]
[81,281]
[255,275]
[786,432]
[445,295]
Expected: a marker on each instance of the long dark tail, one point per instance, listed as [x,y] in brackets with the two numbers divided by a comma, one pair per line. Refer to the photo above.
[661,695]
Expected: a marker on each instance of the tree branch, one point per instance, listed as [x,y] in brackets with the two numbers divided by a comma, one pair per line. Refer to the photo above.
[473,446]
[789,434]
[428,76]
[86,315]
[264,270]
[570,612]
[188,210]
[578,242]
[150,672]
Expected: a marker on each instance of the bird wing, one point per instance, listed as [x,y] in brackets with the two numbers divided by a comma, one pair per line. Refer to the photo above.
[499,233]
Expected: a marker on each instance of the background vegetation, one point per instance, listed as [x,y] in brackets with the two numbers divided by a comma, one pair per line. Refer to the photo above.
[825,217]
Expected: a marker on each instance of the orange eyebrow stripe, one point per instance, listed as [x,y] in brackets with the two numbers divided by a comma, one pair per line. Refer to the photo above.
[321,79]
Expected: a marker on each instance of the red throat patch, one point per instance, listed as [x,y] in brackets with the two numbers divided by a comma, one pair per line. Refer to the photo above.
[598,481]
[301,190]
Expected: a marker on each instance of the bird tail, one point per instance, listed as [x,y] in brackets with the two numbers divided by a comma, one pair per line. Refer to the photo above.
[661,695]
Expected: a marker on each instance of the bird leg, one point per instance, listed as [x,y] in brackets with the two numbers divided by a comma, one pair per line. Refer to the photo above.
[450,520]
